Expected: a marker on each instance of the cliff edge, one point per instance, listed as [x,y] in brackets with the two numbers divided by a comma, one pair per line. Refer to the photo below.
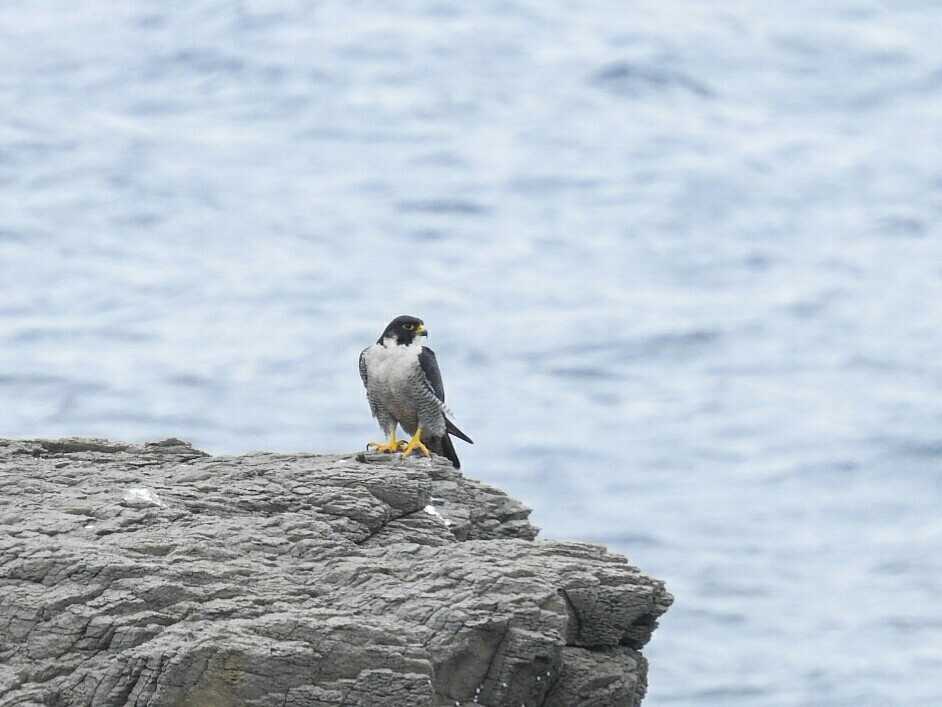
[158,575]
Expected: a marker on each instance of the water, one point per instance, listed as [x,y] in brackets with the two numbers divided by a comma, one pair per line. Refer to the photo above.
[681,263]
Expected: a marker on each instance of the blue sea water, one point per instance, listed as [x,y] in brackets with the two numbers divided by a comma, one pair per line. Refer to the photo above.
[681,263]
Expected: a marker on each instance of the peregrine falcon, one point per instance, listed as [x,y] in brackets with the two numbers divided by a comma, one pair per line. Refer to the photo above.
[404,387]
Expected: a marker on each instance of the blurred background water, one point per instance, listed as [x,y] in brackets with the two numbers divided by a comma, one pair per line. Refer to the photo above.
[681,263]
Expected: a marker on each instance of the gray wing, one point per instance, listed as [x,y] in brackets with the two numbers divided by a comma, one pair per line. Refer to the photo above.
[434,378]
[363,366]
[378,413]
[374,408]
[432,375]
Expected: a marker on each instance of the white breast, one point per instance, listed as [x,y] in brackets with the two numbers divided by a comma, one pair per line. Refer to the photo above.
[390,366]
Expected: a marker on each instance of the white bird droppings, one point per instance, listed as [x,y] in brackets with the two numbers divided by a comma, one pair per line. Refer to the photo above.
[431,510]
[141,496]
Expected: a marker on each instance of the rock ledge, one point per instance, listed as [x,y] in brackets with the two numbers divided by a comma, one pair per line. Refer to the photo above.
[158,575]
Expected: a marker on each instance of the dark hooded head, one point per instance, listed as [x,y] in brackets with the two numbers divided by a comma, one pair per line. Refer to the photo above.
[403,330]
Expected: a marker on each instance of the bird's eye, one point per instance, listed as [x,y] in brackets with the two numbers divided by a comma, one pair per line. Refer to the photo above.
[408,327]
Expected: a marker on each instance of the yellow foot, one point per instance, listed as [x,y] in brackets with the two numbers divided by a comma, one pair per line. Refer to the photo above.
[416,443]
[393,445]
[384,447]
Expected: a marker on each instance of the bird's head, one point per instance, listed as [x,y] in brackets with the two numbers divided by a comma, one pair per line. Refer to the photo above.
[403,330]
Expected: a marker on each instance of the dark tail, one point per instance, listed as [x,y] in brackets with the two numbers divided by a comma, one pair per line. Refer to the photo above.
[443,445]
[448,450]
[452,428]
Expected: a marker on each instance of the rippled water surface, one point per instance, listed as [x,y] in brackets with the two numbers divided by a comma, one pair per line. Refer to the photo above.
[681,262]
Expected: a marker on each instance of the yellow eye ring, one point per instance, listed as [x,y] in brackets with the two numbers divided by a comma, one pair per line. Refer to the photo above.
[408,327]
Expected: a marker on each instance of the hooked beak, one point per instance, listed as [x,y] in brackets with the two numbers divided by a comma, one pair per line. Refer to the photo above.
[420,330]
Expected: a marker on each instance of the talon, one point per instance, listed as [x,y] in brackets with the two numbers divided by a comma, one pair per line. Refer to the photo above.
[393,445]
[416,443]
[383,447]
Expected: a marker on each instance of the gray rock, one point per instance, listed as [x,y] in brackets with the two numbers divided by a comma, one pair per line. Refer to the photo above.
[159,575]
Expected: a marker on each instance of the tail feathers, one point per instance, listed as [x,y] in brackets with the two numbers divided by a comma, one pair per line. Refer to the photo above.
[443,447]
[448,450]
[452,428]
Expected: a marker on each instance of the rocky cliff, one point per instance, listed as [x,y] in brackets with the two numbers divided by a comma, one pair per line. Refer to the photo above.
[158,575]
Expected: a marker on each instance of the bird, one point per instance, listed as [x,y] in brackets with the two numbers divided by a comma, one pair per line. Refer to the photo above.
[404,387]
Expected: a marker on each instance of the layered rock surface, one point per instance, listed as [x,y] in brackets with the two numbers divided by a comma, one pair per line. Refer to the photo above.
[158,575]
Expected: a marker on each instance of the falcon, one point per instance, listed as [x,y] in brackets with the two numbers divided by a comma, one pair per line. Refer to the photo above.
[404,387]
